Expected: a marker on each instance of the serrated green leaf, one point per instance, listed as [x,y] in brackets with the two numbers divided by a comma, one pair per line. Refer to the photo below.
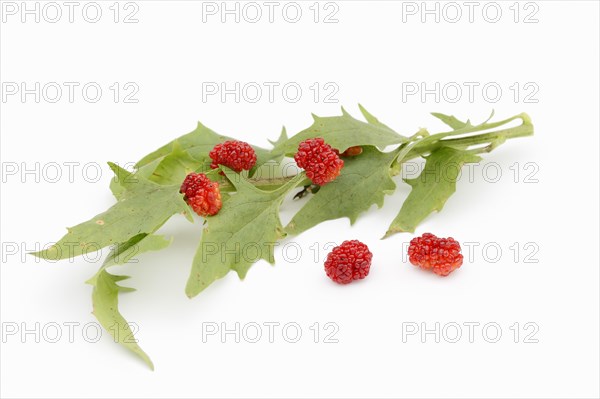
[143,207]
[452,121]
[342,132]
[106,301]
[242,233]
[124,252]
[173,168]
[105,294]
[198,144]
[144,172]
[364,180]
[372,119]
[433,187]
[283,137]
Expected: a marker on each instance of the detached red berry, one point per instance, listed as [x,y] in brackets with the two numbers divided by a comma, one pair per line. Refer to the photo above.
[236,155]
[202,194]
[442,255]
[348,262]
[321,162]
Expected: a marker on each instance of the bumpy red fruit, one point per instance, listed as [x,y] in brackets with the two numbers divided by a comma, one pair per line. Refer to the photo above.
[202,194]
[321,162]
[441,255]
[350,151]
[348,262]
[236,155]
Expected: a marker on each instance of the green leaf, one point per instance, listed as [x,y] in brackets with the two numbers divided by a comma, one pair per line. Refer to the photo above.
[364,180]
[143,207]
[372,119]
[173,168]
[144,172]
[433,187]
[452,121]
[105,301]
[124,252]
[105,294]
[243,232]
[283,137]
[198,144]
[342,132]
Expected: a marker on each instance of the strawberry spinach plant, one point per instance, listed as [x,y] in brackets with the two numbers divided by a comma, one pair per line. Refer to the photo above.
[358,163]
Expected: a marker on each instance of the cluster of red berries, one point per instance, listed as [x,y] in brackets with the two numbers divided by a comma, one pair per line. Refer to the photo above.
[352,260]
[202,194]
[322,163]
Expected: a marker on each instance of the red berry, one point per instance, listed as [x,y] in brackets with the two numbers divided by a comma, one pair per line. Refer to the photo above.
[351,151]
[321,162]
[236,155]
[348,262]
[442,255]
[202,194]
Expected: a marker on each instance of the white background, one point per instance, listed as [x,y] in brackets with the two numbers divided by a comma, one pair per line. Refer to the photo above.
[368,54]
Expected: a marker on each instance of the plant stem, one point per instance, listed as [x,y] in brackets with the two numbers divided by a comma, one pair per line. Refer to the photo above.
[495,138]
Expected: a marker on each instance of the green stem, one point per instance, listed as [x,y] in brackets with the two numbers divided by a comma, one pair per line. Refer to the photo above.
[494,139]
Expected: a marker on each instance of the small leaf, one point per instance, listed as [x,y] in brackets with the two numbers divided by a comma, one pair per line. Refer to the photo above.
[105,294]
[342,132]
[105,301]
[198,144]
[283,137]
[173,168]
[372,119]
[123,252]
[431,190]
[143,207]
[452,121]
[364,180]
[243,232]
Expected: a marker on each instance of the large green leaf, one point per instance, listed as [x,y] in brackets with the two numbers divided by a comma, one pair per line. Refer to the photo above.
[105,294]
[342,132]
[173,168]
[198,144]
[364,180]
[243,232]
[143,207]
[432,188]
